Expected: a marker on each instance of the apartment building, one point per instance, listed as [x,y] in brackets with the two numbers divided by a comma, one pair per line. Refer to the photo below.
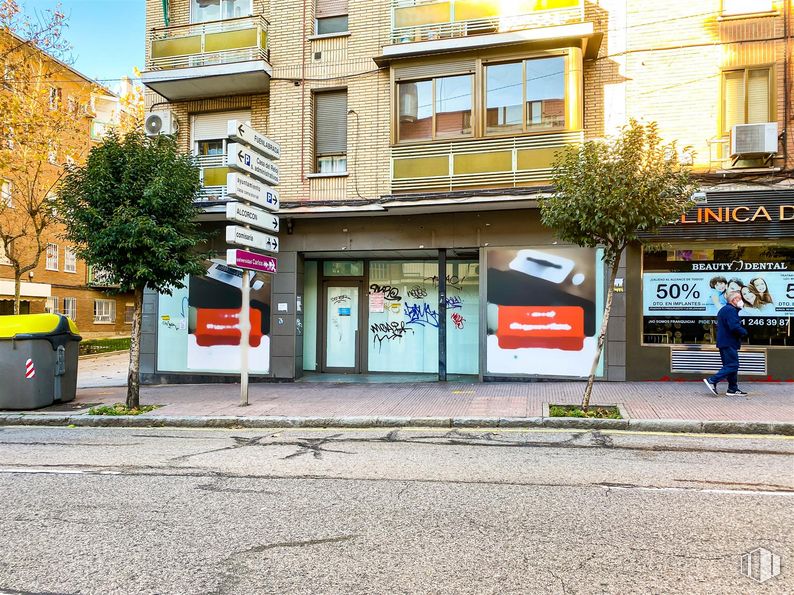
[417,139]
[61,282]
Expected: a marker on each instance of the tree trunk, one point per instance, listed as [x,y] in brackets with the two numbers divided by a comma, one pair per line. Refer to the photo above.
[17,291]
[602,333]
[133,381]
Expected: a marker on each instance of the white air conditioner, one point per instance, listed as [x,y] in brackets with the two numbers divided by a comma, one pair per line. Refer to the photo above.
[161,122]
[754,139]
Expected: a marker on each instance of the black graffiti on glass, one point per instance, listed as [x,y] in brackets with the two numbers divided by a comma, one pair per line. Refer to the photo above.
[453,281]
[417,292]
[338,299]
[389,292]
[388,331]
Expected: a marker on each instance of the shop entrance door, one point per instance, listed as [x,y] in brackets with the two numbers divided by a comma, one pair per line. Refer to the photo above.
[341,304]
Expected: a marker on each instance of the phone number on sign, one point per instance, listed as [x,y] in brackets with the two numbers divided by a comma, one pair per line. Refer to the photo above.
[766,321]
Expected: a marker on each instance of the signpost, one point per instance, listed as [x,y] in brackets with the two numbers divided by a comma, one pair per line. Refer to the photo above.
[250,184]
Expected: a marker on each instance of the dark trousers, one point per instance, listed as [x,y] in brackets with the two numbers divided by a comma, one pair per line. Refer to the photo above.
[730,368]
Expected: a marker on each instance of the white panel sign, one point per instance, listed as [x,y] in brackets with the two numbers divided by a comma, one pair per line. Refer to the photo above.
[242,236]
[244,159]
[247,215]
[241,132]
[251,190]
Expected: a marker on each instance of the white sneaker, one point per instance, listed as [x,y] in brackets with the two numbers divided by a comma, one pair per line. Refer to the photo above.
[712,387]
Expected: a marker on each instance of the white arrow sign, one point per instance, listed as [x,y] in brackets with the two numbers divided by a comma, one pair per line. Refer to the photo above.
[251,190]
[256,218]
[241,132]
[242,236]
[244,159]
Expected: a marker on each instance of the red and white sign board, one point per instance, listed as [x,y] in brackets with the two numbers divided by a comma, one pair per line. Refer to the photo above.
[244,259]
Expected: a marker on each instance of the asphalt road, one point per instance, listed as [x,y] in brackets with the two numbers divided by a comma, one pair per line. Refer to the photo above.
[411,511]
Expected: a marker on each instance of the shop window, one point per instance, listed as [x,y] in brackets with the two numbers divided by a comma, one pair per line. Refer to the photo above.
[69,261]
[52,257]
[216,10]
[70,307]
[104,311]
[331,17]
[51,305]
[330,132]
[684,288]
[737,7]
[746,97]
[435,109]
[525,96]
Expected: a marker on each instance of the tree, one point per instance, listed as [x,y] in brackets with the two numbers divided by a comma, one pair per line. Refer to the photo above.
[130,212]
[609,191]
[44,123]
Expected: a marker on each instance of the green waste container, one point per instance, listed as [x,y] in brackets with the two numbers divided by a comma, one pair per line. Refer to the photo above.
[38,360]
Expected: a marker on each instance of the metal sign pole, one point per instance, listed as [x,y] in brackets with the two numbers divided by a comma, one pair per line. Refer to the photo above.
[245,336]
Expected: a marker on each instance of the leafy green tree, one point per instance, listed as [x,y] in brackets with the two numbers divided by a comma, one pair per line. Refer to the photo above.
[129,211]
[609,191]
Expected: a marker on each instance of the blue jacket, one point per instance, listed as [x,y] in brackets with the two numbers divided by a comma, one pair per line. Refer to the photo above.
[729,328]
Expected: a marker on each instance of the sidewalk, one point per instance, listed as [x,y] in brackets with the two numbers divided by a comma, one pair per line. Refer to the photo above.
[688,404]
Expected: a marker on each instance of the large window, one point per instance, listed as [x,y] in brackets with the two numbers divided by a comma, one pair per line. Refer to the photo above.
[215,10]
[70,307]
[746,97]
[331,17]
[525,96]
[104,311]
[435,109]
[51,305]
[330,132]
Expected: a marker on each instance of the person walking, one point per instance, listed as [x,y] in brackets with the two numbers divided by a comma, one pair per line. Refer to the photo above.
[730,333]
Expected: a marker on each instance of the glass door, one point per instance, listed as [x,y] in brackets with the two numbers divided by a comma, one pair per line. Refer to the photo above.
[342,312]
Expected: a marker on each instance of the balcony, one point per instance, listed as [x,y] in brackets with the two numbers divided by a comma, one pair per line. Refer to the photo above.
[228,57]
[213,177]
[420,27]
[477,163]
[100,278]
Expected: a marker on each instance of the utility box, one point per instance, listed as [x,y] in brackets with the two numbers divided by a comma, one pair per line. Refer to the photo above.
[38,360]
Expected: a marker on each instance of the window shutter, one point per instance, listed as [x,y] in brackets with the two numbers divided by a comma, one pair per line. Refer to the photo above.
[330,8]
[734,99]
[758,96]
[214,125]
[330,123]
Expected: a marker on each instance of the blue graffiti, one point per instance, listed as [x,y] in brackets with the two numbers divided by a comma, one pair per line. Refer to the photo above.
[421,314]
[453,302]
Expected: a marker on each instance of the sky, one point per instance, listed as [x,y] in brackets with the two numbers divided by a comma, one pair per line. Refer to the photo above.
[107,36]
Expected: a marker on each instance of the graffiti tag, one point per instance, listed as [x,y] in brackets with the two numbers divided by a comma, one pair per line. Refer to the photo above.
[388,331]
[457,319]
[417,292]
[453,281]
[389,293]
[421,314]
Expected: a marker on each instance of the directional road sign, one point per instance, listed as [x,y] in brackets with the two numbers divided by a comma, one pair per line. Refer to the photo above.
[251,190]
[251,260]
[247,215]
[244,159]
[242,236]
[243,133]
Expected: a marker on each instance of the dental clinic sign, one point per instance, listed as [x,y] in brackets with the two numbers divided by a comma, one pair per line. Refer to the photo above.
[740,214]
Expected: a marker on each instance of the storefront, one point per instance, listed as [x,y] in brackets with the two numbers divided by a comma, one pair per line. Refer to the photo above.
[734,241]
[382,294]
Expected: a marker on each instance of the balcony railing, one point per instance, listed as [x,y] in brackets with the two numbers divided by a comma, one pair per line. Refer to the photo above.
[204,44]
[419,20]
[99,277]
[213,177]
[478,163]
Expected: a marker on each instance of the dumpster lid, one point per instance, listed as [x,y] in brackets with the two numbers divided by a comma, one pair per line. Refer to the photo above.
[36,324]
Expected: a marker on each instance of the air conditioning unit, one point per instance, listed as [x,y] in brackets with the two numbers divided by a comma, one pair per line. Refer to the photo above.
[754,139]
[161,122]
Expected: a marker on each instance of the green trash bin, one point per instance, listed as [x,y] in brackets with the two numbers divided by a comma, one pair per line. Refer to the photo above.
[38,360]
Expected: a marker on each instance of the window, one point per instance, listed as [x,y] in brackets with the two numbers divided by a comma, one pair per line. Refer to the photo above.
[331,16]
[104,311]
[746,97]
[5,194]
[216,10]
[731,7]
[129,313]
[55,98]
[438,108]
[52,257]
[330,132]
[525,96]
[70,308]
[209,132]
[69,261]
[51,306]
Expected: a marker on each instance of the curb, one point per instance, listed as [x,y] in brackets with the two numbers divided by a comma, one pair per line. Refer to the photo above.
[232,421]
